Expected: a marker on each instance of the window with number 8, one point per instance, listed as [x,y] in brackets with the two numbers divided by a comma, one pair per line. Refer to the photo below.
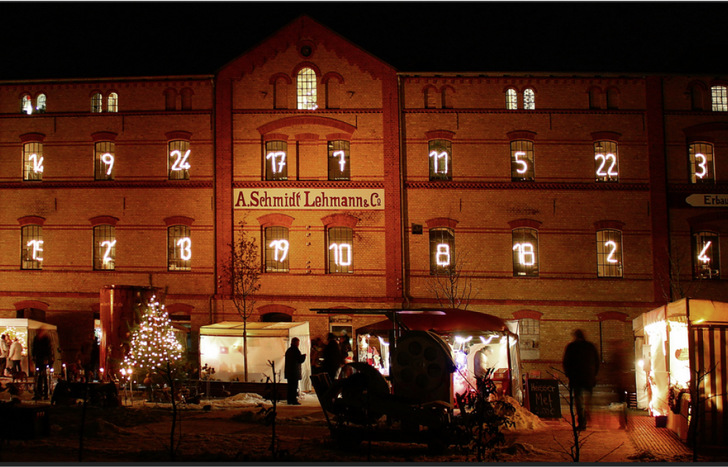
[442,250]
[701,163]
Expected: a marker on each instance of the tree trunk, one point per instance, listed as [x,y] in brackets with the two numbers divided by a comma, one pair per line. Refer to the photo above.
[245,349]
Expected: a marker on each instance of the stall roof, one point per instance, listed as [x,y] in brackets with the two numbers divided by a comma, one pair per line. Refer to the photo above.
[254,329]
[25,323]
[441,321]
[700,312]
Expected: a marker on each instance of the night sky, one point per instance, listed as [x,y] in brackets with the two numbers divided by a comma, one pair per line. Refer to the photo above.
[77,40]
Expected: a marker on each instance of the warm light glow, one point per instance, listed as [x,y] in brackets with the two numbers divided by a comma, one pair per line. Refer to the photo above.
[703,165]
[37,163]
[443,255]
[488,340]
[436,161]
[342,253]
[342,161]
[610,257]
[153,343]
[463,340]
[279,245]
[37,249]
[185,248]
[702,256]
[523,164]
[611,171]
[526,256]
[273,156]
[108,159]
[109,245]
[180,163]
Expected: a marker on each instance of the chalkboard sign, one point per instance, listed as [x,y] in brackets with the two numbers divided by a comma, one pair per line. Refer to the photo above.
[543,398]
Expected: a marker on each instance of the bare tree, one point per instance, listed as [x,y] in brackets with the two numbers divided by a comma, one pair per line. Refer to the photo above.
[450,286]
[243,274]
[678,287]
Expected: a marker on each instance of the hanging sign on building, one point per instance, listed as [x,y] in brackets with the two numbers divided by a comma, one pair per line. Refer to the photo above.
[707,201]
[361,199]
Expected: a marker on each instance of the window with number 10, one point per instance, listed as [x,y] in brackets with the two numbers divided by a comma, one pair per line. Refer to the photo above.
[339,250]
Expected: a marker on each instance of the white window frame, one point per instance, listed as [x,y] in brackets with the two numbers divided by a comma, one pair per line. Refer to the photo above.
[719,98]
[511,99]
[306,89]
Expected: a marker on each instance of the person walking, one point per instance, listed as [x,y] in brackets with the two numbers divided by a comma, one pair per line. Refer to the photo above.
[292,370]
[332,356]
[581,365]
[42,356]
[4,351]
[15,354]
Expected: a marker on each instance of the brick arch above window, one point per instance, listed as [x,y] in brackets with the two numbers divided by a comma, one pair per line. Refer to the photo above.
[340,220]
[103,220]
[174,135]
[529,223]
[275,137]
[179,309]
[299,120]
[303,65]
[520,135]
[606,135]
[332,75]
[95,92]
[612,315]
[338,136]
[37,304]
[103,136]
[715,222]
[32,138]
[701,130]
[527,314]
[178,220]
[31,220]
[696,84]
[274,308]
[510,86]
[440,134]
[441,222]
[276,219]
[274,78]
[608,224]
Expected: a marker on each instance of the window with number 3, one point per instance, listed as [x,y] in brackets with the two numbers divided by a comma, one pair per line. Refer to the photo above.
[701,163]
[609,253]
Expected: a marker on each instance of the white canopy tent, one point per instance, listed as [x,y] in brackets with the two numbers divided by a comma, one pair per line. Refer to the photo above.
[221,347]
[26,329]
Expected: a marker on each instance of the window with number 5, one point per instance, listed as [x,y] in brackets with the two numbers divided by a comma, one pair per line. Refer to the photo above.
[606,161]
[522,160]
[701,163]
[179,248]
[609,253]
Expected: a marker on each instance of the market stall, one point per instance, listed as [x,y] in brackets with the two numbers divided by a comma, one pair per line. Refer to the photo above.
[221,347]
[477,340]
[25,330]
[680,348]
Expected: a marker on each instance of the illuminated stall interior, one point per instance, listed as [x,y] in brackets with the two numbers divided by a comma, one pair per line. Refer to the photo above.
[25,330]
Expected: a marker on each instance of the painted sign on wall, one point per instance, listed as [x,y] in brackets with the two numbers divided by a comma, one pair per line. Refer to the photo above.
[308,198]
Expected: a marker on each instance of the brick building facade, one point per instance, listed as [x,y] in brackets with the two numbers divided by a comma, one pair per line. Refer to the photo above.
[564,201]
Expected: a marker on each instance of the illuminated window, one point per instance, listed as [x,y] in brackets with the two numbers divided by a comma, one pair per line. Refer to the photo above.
[339,250]
[104,247]
[511,99]
[702,169]
[529,99]
[606,162]
[609,253]
[706,255]
[529,338]
[26,104]
[179,248]
[276,163]
[104,160]
[31,238]
[33,161]
[178,162]
[525,252]
[522,160]
[306,89]
[440,155]
[40,103]
[112,102]
[97,103]
[276,249]
[719,98]
[442,250]
[339,160]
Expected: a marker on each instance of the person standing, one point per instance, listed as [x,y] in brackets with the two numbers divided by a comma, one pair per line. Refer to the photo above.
[292,370]
[581,365]
[42,356]
[332,356]
[4,351]
[15,354]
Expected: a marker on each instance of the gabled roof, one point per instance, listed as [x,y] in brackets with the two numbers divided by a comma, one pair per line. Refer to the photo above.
[299,30]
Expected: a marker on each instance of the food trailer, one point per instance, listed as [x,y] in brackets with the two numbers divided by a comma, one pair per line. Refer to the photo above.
[221,347]
[25,330]
[680,353]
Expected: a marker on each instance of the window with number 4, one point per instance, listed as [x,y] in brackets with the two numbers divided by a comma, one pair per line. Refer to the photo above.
[609,253]
[606,161]
[701,163]
[179,160]
[179,248]
[706,255]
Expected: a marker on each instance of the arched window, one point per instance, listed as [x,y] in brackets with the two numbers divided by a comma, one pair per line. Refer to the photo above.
[511,99]
[40,103]
[186,98]
[529,99]
[595,98]
[430,94]
[609,253]
[706,255]
[612,98]
[170,99]
[112,102]
[697,97]
[26,104]
[306,89]
[442,250]
[719,98]
[276,249]
[97,103]
[525,252]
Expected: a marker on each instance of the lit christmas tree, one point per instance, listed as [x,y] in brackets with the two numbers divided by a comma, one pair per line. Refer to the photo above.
[153,345]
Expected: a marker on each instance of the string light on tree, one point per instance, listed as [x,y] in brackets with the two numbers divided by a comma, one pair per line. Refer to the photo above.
[153,343]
